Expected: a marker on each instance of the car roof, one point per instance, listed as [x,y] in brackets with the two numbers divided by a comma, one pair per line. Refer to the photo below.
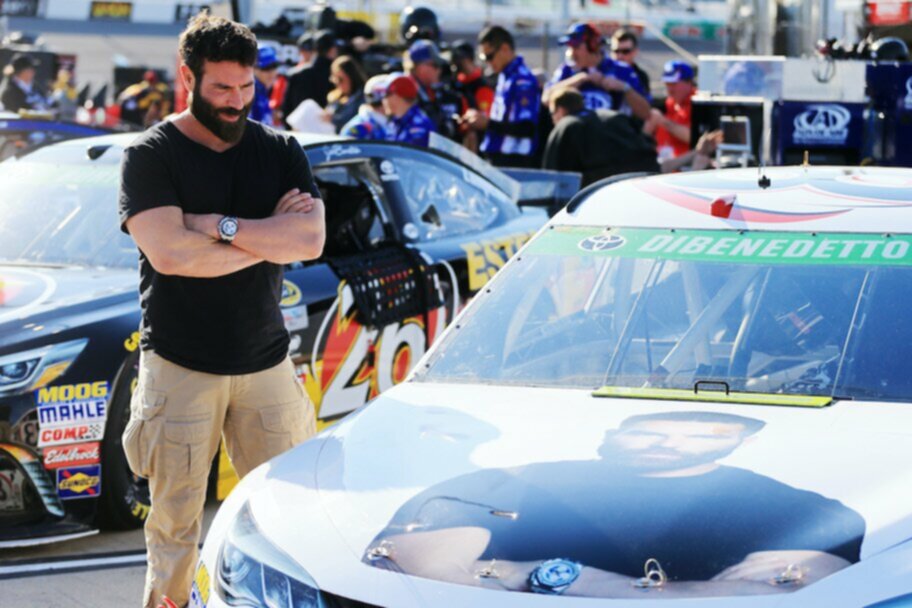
[122,140]
[799,199]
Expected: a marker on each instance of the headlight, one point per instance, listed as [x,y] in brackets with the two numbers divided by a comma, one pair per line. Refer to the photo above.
[32,369]
[253,572]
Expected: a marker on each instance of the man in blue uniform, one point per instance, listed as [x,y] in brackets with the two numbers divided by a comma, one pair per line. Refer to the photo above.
[511,137]
[265,74]
[370,122]
[409,123]
[606,84]
[443,106]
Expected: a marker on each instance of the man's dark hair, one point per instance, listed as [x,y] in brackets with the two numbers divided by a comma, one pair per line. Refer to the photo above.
[626,36]
[324,42]
[209,38]
[570,100]
[751,425]
[496,36]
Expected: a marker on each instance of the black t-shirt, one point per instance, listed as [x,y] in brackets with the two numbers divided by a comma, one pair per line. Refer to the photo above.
[609,519]
[599,144]
[224,325]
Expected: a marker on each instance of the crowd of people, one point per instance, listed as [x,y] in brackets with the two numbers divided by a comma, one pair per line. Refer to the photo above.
[594,115]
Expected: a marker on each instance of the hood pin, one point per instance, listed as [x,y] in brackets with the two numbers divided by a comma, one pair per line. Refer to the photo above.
[489,571]
[381,551]
[792,575]
[655,577]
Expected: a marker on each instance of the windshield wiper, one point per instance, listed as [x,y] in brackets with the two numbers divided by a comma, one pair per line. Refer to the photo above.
[703,395]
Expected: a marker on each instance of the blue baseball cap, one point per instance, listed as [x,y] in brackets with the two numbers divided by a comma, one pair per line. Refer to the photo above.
[267,58]
[582,33]
[423,51]
[677,71]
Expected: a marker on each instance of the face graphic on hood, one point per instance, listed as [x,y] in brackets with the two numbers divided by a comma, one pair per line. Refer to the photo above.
[655,499]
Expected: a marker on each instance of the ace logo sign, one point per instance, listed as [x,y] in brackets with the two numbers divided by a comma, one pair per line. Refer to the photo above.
[826,124]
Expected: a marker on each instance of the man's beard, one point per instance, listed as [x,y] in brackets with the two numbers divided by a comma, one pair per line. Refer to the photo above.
[209,116]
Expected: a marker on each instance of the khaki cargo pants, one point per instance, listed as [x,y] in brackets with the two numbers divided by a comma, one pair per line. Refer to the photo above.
[177,418]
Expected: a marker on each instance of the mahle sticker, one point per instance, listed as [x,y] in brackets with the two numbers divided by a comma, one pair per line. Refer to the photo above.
[748,247]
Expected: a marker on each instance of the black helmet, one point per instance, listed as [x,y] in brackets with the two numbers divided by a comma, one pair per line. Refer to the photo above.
[418,22]
[889,49]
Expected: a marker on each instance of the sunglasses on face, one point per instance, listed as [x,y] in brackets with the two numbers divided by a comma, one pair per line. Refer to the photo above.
[486,57]
[625,51]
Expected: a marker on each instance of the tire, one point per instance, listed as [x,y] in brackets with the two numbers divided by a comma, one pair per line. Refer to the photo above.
[124,502]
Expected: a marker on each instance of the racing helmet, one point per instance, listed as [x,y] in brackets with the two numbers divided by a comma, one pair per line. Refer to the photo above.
[889,49]
[418,22]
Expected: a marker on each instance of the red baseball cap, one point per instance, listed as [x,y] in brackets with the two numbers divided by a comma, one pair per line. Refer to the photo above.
[403,86]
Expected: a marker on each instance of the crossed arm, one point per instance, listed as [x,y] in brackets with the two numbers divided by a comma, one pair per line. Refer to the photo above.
[187,244]
[452,555]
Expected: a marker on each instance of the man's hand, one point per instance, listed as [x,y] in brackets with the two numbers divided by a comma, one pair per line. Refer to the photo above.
[708,142]
[475,120]
[294,201]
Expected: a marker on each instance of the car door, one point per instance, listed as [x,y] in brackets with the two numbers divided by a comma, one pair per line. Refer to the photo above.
[362,314]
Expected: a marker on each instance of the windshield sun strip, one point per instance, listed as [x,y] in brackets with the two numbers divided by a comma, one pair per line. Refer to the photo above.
[671,394]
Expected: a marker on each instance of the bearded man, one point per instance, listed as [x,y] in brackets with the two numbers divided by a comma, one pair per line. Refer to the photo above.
[217,204]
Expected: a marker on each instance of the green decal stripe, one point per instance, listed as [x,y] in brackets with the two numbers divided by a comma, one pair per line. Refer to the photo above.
[623,392]
[748,247]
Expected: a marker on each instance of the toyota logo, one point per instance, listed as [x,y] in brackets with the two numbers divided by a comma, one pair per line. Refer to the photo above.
[602,242]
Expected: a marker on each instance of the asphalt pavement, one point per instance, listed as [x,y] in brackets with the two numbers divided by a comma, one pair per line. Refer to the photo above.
[101,571]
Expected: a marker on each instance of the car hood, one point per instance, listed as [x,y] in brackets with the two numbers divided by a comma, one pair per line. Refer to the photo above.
[35,292]
[430,456]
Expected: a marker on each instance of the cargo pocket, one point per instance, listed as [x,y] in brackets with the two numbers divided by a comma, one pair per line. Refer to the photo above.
[287,424]
[145,406]
[187,446]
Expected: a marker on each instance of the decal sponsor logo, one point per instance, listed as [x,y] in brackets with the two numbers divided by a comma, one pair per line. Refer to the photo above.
[338,151]
[132,343]
[733,247]
[72,392]
[826,124]
[291,294]
[485,258]
[70,434]
[199,592]
[908,100]
[596,100]
[72,455]
[296,318]
[11,482]
[602,242]
[113,11]
[69,403]
[79,482]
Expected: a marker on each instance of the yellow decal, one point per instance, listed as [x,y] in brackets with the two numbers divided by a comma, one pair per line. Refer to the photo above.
[140,511]
[291,294]
[484,259]
[202,582]
[79,483]
[132,343]
[73,392]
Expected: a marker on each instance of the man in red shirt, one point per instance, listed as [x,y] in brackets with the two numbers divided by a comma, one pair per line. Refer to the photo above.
[672,129]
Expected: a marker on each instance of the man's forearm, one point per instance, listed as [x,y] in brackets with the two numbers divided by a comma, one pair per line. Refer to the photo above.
[638,104]
[285,238]
[197,255]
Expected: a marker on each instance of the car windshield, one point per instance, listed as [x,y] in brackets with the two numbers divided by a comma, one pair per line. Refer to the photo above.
[62,214]
[764,312]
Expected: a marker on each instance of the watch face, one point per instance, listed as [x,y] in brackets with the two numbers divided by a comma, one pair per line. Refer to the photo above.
[228,227]
[556,573]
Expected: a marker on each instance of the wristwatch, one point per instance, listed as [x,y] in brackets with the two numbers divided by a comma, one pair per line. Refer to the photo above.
[227,228]
[554,576]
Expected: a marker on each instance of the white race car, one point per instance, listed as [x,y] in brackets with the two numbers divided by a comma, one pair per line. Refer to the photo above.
[686,390]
